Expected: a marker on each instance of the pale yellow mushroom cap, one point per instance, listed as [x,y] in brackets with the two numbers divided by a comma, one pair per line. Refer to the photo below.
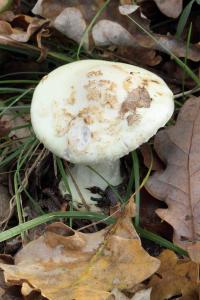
[91,110]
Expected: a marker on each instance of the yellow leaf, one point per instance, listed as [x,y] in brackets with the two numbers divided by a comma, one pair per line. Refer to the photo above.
[66,264]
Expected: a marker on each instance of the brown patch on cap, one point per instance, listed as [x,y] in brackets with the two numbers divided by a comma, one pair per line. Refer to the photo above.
[71,99]
[106,95]
[131,119]
[137,98]
[127,83]
[61,117]
[94,73]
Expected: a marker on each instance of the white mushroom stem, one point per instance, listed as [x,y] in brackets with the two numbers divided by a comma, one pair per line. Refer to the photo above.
[86,178]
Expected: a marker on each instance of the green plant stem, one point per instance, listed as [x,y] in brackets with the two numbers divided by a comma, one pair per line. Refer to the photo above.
[186,55]
[10,233]
[15,101]
[85,34]
[160,241]
[18,81]
[137,186]
[64,178]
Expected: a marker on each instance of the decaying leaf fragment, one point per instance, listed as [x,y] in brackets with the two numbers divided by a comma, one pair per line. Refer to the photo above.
[178,185]
[175,277]
[65,264]
[170,8]
[16,122]
[4,128]
[17,30]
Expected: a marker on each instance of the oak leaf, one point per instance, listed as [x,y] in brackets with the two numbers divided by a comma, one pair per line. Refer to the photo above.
[66,264]
[174,277]
[178,185]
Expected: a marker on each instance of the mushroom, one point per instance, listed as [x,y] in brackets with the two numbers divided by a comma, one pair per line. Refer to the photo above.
[92,113]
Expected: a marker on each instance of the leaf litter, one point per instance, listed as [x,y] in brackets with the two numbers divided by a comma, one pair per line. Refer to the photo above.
[68,264]
[111,28]
[112,263]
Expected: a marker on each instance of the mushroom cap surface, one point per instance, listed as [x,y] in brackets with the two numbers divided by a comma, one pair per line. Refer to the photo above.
[91,110]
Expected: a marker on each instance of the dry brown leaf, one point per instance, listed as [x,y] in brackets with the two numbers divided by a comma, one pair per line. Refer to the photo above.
[141,55]
[112,27]
[85,266]
[4,128]
[16,33]
[150,157]
[175,277]
[170,8]
[178,185]
[15,122]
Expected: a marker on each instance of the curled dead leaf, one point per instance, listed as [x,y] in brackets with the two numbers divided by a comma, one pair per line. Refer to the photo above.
[14,34]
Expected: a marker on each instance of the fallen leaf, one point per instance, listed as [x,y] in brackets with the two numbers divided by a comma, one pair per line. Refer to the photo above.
[178,185]
[174,277]
[170,8]
[65,262]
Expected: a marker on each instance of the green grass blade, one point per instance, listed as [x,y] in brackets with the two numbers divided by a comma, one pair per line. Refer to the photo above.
[10,233]
[160,241]
[86,32]
[130,183]
[15,101]
[63,174]
[18,81]
[186,55]
[22,73]
[136,168]
[183,19]
[11,156]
